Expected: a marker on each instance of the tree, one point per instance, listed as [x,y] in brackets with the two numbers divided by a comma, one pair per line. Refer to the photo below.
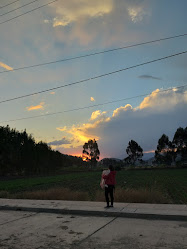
[91,152]
[180,137]
[180,142]
[165,152]
[134,151]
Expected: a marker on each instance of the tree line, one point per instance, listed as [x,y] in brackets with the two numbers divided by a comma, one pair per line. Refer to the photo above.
[167,152]
[20,154]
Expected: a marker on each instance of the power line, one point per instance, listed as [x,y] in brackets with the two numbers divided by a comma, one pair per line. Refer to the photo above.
[28,11]
[18,8]
[96,105]
[93,54]
[93,78]
[9,4]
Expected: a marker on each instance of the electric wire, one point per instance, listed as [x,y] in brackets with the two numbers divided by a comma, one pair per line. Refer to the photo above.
[28,11]
[18,8]
[91,106]
[92,78]
[93,54]
[9,4]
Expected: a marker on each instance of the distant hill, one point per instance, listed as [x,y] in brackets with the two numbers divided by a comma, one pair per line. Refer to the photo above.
[147,156]
[111,159]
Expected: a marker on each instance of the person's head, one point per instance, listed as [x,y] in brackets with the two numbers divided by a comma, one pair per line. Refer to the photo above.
[111,167]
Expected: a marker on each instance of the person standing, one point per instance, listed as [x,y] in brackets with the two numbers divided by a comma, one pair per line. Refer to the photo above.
[110,182]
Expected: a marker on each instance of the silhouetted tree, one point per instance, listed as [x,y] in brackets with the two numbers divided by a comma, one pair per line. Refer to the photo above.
[134,151]
[180,142]
[91,152]
[21,155]
[166,150]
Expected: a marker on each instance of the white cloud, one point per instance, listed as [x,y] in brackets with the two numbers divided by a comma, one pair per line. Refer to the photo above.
[75,10]
[163,100]
[97,114]
[121,109]
[136,13]
[107,20]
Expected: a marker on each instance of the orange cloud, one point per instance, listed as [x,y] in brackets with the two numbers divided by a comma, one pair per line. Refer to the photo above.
[149,151]
[5,66]
[62,128]
[37,107]
[147,102]
[80,134]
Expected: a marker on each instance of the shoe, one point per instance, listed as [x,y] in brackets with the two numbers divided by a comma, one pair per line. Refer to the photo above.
[111,206]
[107,206]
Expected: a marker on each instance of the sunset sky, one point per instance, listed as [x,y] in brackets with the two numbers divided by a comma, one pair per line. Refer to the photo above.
[74,28]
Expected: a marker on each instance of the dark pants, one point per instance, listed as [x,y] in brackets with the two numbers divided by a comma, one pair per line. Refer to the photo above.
[109,191]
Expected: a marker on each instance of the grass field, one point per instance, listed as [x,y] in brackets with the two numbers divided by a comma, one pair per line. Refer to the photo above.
[149,186]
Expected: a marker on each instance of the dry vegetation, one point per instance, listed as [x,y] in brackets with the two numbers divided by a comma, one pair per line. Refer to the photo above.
[53,194]
[121,195]
[136,196]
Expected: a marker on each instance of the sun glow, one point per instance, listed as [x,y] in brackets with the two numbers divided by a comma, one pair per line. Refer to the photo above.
[80,155]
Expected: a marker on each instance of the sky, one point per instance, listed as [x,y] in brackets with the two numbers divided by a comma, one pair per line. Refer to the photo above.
[74,28]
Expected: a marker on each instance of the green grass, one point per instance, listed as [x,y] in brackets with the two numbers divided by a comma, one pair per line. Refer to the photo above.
[171,183]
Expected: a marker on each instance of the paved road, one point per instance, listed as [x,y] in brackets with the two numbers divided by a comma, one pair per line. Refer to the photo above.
[30,230]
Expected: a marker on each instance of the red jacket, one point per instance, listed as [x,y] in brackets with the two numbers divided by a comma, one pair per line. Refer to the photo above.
[110,179]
